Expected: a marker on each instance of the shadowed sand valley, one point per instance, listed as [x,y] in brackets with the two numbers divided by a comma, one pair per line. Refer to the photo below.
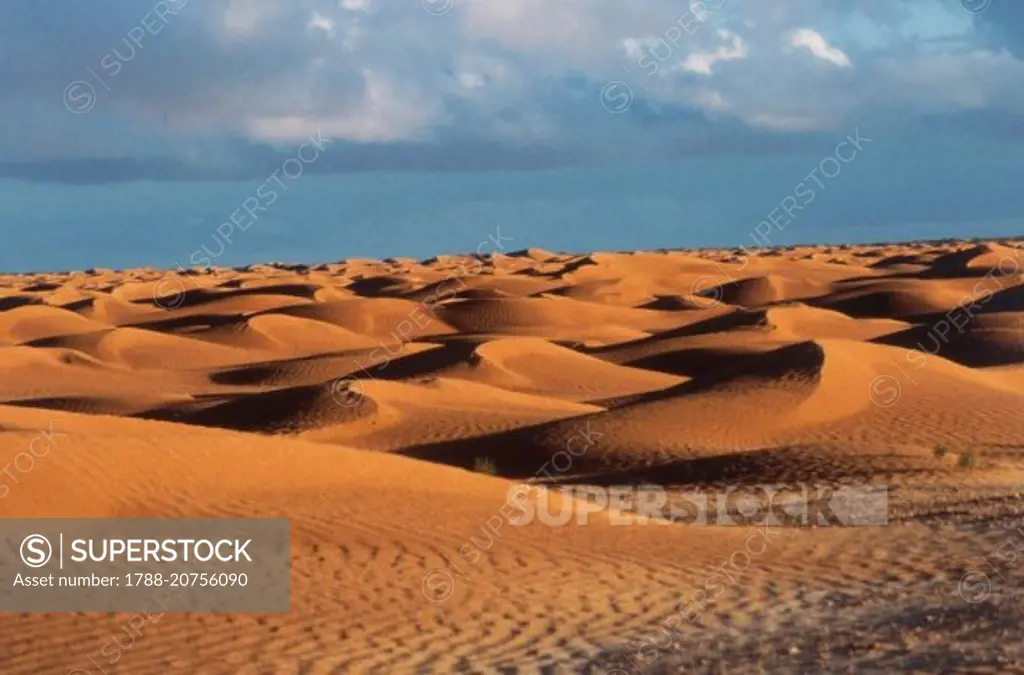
[388,407]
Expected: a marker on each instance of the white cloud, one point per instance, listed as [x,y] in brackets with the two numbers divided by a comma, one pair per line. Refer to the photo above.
[813,42]
[355,5]
[710,100]
[569,32]
[388,112]
[701,62]
[469,80]
[493,70]
[320,22]
[786,122]
[636,48]
[244,18]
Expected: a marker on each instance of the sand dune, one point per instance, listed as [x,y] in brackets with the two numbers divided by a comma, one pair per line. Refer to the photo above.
[899,299]
[150,350]
[284,335]
[986,340]
[319,368]
[343,505]
[396,416]
[980,260]
[108,309]
[352,397]
[547,315]
[825,391]
[802,321]
[1006,299]
[36,373]
[761,291]
[745,350]
[36,322]
[383,319]
[526,365]
[734,409]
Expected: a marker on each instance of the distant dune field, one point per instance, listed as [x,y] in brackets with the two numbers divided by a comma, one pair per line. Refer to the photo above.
[387,408]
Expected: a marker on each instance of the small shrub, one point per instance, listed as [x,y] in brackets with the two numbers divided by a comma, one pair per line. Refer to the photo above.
[940,450]
[968,460]
[485,465]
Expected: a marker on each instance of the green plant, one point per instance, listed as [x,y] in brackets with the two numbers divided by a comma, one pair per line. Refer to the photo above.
[940,450]
[967,460]
[485,465]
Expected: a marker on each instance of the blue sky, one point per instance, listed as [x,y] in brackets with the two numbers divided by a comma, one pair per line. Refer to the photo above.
[119,91]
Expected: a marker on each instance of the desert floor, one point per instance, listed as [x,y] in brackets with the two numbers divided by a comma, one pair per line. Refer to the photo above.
[387,408]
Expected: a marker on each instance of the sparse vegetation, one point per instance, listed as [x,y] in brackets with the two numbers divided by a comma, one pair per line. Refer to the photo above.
[968,460]
[485,465]
[940,450]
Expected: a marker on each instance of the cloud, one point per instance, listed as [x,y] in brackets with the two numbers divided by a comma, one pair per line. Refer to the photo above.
[226,80]
[356,5]
[702,62]
[322,23]
[813,42]
[243,19]
[387,112]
